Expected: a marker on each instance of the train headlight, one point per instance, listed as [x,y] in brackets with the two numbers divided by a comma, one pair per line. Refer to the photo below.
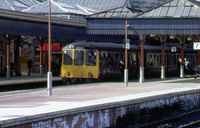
[90,74]
[68,73]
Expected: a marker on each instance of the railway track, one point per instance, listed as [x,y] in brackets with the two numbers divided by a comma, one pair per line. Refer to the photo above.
[187,120]
[192,125]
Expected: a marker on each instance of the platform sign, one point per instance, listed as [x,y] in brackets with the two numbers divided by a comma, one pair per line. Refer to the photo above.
[196,45]
[173,49]
[127,43]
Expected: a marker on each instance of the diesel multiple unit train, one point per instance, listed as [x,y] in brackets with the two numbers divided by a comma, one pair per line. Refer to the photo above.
[96,60]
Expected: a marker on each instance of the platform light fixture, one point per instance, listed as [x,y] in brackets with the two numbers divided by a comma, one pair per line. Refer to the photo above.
[172,37]
[189,39]
[152,35]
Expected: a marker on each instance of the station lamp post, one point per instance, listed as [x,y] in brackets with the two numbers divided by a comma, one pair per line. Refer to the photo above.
[127,46]
[49,74]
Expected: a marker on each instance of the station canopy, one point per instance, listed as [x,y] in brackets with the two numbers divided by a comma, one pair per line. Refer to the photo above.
[175,8]
[61,10]
[29,3]
[145,5]
[56,7]
[175,17]
[75,9]
[13,5]
[98,5]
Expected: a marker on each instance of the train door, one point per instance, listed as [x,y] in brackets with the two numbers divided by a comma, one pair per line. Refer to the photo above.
[78,64]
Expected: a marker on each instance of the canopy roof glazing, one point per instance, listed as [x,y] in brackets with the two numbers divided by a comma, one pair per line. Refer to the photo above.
[29,2]
[98,5]
[175,8]
[118,12]
[13,5]
[146,4]
[57,8]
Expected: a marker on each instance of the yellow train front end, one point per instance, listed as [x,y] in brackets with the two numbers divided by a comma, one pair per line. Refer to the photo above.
[79,64]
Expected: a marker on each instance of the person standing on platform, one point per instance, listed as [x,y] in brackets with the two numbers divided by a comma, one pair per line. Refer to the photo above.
[121,68]
[29,65]
[178,65]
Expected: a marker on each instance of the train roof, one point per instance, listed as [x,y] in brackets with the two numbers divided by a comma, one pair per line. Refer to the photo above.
[115,47]
[97,45]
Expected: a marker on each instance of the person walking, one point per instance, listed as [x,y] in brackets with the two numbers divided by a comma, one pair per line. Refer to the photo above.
[29,65]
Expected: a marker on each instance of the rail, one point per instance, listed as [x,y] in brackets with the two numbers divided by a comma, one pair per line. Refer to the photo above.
[168,121]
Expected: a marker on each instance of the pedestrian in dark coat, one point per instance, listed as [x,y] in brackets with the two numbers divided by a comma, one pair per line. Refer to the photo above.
[29,65]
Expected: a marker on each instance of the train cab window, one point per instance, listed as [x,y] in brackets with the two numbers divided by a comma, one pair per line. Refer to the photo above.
[67,57]
[78,57]
[91,58]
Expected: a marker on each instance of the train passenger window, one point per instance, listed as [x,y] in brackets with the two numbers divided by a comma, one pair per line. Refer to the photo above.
[78,57]
[68,57]
[91,58]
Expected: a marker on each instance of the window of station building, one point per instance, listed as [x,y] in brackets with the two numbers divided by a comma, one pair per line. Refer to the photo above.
[79,57]
[91,58]
[68,57]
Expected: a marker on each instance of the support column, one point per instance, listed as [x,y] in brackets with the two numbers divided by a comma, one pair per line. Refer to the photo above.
[17,53]
[142,40]
[198,60]
[199,57]
[182,42]
[163,61]
[46,58]
[42,41]
[182,61]
[8,60]
[163,41]
[41,60]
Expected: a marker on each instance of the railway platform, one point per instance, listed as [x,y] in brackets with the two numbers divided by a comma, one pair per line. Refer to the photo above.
[24,79]
[34,108]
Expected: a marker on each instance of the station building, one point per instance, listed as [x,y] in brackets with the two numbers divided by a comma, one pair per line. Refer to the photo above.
[69,24]
[24,27]
[177,18]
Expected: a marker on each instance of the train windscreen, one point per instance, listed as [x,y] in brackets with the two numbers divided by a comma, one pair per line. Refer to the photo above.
[78,57]
[68,57]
